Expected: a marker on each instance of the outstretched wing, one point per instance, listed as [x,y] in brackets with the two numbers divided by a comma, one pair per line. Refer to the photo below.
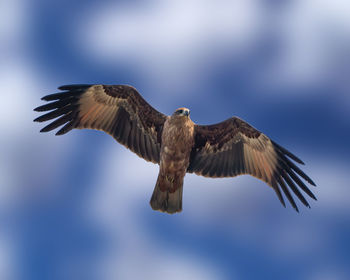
[118,110]
[233,147]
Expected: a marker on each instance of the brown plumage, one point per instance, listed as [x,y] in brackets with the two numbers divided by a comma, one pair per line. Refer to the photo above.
[226,149]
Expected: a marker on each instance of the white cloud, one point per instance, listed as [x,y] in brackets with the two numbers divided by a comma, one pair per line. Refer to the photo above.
[23,149]
[176,44]
[12,17]
[145,263]
[172,42]
[315,36]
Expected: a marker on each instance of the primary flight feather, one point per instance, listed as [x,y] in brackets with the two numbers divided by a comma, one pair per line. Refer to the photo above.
[227,149]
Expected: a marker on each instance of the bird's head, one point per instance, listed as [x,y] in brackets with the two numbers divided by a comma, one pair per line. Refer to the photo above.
[182,112]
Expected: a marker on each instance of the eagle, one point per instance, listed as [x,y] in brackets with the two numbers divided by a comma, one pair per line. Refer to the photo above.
[178,145]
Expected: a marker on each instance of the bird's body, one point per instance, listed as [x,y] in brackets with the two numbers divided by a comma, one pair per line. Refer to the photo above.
[177,143]
[179,146]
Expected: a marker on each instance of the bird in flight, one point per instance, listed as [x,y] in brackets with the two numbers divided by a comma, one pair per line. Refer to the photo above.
[175,143]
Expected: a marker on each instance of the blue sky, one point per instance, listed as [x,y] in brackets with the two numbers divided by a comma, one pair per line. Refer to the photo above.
[76,207]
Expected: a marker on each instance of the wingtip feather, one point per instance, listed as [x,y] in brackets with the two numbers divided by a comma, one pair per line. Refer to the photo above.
[46,98]
[38,109]
[59,133]
[73,86]
[37,119]
[312,183]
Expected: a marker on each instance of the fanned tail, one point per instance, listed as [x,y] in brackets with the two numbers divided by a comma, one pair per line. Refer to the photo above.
[167,194]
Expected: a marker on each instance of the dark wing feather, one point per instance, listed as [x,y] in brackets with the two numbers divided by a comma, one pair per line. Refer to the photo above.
[118,110]
[233,147]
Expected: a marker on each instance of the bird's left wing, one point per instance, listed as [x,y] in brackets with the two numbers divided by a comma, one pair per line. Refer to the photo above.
[118,110]
[233,147]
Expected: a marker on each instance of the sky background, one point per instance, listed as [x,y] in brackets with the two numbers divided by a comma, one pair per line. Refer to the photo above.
[77,206]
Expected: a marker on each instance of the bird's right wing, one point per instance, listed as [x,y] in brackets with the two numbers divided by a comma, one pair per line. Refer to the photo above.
[118,110]
[234,147]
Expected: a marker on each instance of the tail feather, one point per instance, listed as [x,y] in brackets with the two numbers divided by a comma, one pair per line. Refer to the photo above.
[167,195]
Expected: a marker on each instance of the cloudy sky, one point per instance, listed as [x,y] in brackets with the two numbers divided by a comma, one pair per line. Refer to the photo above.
[76,207]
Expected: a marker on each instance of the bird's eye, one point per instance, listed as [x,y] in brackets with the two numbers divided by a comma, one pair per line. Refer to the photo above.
[180,111]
